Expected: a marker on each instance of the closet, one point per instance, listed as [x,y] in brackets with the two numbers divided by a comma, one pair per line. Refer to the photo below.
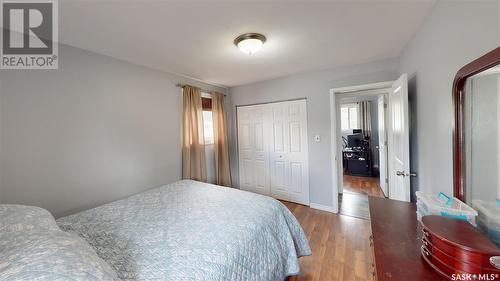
[273,150]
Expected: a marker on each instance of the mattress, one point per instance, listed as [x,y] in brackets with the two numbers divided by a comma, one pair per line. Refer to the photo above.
[190,230]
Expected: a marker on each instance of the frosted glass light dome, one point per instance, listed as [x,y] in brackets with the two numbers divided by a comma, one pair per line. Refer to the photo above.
[250,43]
[250,46]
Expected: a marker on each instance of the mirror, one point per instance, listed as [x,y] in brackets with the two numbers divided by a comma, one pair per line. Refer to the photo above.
[476,166]
[476,129]
[481,119]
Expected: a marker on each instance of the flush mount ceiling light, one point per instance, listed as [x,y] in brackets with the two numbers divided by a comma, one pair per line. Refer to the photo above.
[250,43]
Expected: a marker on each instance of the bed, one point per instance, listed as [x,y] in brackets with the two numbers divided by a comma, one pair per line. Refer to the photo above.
[190,230]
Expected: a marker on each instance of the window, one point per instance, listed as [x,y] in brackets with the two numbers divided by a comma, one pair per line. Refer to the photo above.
[208,127]
[349,114]
[208,124]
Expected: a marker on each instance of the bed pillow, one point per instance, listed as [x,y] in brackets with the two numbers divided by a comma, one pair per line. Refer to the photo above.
[19,218]
[55,255]
[33,247]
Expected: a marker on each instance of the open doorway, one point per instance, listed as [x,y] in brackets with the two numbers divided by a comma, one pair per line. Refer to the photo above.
[364,157]
[359,119]
[370,145]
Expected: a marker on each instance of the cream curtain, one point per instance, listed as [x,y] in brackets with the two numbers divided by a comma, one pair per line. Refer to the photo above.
[365,117]
[223,174]
[193,142]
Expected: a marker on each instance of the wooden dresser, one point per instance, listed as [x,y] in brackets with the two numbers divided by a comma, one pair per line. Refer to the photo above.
[396,242]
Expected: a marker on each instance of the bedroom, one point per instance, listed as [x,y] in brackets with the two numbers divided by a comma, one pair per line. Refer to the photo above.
[107,124]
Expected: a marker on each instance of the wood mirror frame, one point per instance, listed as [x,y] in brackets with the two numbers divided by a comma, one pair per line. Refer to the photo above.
[485,62]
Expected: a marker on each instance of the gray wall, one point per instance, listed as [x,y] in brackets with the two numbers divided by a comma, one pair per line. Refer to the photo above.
[95,130]
[314,86]
[455,33]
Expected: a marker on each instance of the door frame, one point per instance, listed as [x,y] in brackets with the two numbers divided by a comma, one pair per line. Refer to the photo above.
[335,129]
[384,182]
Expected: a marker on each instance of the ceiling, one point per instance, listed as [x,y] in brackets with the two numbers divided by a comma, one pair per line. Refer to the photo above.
[195,39]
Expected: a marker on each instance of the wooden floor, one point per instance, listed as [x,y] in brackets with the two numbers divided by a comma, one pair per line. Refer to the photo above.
[354,199]
[365,185]
[340,246]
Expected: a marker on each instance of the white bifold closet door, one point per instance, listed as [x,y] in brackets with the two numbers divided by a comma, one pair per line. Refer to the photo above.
[273,153]
[253,149]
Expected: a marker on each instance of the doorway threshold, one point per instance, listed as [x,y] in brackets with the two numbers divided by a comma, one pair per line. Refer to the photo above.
[354,205]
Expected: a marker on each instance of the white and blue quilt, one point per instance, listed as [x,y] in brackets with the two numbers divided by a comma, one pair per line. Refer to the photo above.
[32,247]
[194,231]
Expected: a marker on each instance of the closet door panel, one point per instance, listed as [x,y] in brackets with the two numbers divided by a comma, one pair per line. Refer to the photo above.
[296,175]
[279,118]
[247,174]
[245,149]
[279,153]
[253,151]
[259,128]
[261,176]
[261,158]
[273,150]
[295,137]
[278,137]
[279,188]
[298,154]
[259,137]
[246,137]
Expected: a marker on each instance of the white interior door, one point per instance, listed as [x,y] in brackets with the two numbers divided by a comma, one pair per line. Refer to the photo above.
[399,141]
[382,145]
[279,152]
[289,152]
[253,150]
[298,152]
[273,150]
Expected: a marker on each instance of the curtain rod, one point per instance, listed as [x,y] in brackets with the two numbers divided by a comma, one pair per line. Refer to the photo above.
[203,90]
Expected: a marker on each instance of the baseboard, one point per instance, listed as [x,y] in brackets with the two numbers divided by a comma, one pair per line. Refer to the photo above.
[322,207]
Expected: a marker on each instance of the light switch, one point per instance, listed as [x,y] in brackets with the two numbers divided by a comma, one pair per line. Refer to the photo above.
[317,138]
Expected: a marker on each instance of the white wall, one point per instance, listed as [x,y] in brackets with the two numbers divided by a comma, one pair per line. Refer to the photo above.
[455,33]
[314,86]
[95,130]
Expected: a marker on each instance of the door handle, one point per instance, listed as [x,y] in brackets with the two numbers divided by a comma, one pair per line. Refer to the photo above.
[403,174]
